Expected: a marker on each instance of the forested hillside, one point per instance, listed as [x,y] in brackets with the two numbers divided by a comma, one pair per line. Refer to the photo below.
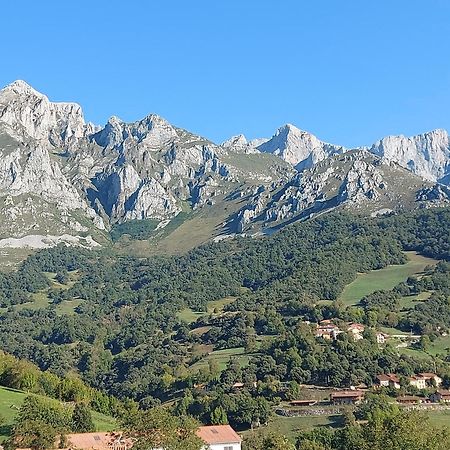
[241,312]
[123,334]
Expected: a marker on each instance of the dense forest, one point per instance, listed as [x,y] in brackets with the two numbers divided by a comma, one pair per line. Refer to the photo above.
[125,337]
[110,335]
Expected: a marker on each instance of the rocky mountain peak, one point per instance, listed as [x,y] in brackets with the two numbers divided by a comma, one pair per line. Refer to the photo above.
[298,147]
[427,154]
[31,114]
[240,139]
[20,87]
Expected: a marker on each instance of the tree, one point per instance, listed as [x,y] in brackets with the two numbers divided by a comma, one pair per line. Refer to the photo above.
[34,434]
[219,416]
[268,441]
[82,419]
[158,428]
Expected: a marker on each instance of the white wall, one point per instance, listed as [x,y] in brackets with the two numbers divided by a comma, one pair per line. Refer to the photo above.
[236,446]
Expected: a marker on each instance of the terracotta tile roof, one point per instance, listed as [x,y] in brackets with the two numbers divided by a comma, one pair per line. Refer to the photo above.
[388,377]
[218,434]
[347,394]
[428,375]
[98,441]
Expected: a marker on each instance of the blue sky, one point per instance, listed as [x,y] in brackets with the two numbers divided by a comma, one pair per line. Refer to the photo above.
[348,71]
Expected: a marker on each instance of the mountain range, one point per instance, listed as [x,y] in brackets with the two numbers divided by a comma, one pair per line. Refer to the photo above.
[62,179]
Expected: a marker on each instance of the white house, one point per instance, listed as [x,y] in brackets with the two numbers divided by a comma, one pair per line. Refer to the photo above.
[215,437]
[219,437]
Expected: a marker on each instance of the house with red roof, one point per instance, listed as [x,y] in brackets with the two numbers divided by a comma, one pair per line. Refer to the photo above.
[215,437]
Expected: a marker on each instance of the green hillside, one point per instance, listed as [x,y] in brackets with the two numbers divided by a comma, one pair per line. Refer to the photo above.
[12,399]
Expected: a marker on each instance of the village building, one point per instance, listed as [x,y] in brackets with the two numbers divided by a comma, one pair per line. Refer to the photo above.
[356,329]
[409,400]
[96,441]
[431,378]
[328,331]
[216,437]
[440,396]
[388,380]
[381,338]
[418,381]
[219,437]
[350,397]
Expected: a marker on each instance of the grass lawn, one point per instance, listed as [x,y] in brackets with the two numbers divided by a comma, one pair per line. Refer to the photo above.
[386,278]
[389,330]
[222,357]
[292,426]
[410,301]
[67,307]
[40,301]
[440,418]
[414,352]
[11,400]
[188,315]
[440,345]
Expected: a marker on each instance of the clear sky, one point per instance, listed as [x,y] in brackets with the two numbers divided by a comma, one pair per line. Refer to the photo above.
[349,71]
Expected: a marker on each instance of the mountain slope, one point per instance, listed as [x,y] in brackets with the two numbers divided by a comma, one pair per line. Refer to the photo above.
[64,179]
[357,180]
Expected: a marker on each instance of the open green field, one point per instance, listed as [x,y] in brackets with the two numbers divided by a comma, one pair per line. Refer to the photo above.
[440,346]
[188,315]
[40,300]
[384,279]
[222,357]
[440,418]
[292,426]
[410,301]
[11,400]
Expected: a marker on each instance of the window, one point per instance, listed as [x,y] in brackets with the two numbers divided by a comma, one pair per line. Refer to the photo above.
[228,447]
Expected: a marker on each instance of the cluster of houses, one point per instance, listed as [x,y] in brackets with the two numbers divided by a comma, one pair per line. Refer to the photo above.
[326,329]
[420,381]
[354,397]
[216,437]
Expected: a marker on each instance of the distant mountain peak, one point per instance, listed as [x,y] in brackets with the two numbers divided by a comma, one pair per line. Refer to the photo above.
[21,87]
[239,139]
[298,147]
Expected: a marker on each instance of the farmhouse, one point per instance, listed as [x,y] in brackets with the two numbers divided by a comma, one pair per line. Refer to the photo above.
[381,338]
[409,400]
[440,396]
[418,381]
[431,378]
[217,437]
[328,331]
[388,380]
[351,397]
[356,329]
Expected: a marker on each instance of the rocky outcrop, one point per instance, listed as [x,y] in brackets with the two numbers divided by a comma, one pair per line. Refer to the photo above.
[298,147]
[31,114]
[356,180]
[427,155]
[61,175]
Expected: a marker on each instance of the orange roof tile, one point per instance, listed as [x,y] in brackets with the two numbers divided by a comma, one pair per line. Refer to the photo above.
[98,441]
[218,434]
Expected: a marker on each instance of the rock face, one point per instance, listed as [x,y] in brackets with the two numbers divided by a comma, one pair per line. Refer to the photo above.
[298,147]
[427,155]
[356,180]
[62,177]
[31,114]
